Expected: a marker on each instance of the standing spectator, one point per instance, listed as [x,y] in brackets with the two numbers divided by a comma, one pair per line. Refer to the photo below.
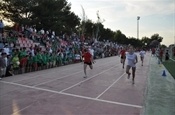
[161,54]
[3,65]
[15,63]
[9,70]
[6,49]
[1,27]
[153,52]
[167,55]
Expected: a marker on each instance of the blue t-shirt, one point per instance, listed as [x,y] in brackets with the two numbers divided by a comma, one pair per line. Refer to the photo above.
[1,25]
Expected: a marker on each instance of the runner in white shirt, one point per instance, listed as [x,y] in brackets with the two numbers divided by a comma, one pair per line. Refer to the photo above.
[142,54]
[131,58]
[91,50]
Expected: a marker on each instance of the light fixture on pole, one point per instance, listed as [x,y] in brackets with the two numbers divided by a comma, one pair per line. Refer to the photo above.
[138,18]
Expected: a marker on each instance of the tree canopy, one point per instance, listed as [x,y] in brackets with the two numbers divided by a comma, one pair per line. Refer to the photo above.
[56,15]
[48,14]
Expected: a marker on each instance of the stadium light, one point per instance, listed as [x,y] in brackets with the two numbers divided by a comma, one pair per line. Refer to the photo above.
[138,18]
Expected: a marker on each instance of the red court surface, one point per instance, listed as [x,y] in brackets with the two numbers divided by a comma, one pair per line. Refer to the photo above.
[64,91]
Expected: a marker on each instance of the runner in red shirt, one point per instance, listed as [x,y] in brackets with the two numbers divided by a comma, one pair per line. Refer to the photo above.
[123,56]
[153,52]
[87,61]
[161,54]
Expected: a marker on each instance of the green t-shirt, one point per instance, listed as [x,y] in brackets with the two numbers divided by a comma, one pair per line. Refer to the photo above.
[29,60]
[34,59]
[44,58]
[39,58]
[15,61]
[22,54]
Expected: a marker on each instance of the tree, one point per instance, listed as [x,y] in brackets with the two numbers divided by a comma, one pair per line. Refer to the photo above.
[89,28]
[16,10]
[107,34]
[120,38]
[48,14]
[155,40]
[156,37]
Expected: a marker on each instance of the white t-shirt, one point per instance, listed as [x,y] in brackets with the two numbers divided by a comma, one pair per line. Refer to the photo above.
[6,50]
[131,59]
[91,51]
[142,53]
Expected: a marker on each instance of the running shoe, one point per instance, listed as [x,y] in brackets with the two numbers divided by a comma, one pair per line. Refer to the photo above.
[129,75]
[133,82]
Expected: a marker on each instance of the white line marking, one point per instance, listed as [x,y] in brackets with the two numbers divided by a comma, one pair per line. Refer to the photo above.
[34,76]
[42,74]
[87,79]
[17,112]
[172,59]
[110,86]
[101,100]
[61,77]
[58,78]
[54,72]
[73,95]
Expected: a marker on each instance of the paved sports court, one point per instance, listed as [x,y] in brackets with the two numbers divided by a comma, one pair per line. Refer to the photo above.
[64,91]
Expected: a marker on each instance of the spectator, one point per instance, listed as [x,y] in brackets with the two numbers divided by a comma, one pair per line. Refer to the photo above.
[161,54]
[1,27]
[15,63]
[3,65]
[167,55]
[6,49]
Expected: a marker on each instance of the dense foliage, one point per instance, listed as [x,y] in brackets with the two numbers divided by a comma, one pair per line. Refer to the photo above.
[56,15]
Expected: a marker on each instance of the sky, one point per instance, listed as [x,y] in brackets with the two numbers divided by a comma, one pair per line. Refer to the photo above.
[156,16]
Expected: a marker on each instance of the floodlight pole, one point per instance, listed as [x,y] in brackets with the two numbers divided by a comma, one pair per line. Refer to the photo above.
[138,18]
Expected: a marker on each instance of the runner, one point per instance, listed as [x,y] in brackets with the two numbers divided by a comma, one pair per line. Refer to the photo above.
[87,61]
[91,51]
[123,56]
[142,54]
[131,62]
[161,54]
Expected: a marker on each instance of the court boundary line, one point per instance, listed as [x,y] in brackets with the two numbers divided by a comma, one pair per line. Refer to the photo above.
[53,72]
[44,90]
[16,112]
[87,79]
[172,59]
[40,75]
[73,95]
[146,86]
[110,86]
[57,78]
[63,76]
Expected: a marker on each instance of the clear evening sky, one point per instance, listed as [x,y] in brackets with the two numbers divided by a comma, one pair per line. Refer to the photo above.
[156,16]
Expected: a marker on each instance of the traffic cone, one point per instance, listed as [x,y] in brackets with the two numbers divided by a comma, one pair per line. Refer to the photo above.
[164,73]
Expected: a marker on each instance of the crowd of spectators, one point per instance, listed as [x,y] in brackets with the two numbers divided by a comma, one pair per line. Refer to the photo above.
[26,49]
